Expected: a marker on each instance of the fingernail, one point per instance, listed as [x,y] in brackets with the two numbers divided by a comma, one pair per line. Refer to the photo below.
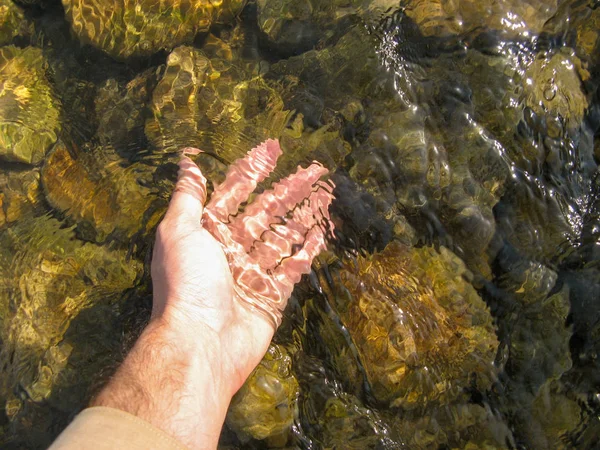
[191,151]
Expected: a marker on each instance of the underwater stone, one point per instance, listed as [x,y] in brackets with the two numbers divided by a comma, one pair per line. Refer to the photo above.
[29,111]
[266,405]
[133,28]
[539,344]
[513,17]
[55,282]
[92,189]
[20,195]
[121,110]
[302,145]
[535,221]
[588,37]
[12,22]
[448,180]
[546,420]
[458,426]
[339,419]
[289,24]
[553,86]
[294,26]
[531,282]
[214,105]
[350,68]
[421,331]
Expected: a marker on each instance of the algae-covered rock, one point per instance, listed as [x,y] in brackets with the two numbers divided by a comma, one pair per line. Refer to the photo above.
[340,74]
[58,297]
[212,104]
[449,180]
[588,37]
[546,420]
[529,281]
[303,145]
[516,98]
[29,112]
[122,109]
[494,85]
[94,191]
[294,26]
[20,195]
[537,221]
[539,343]
[266,405]
[336,418]
[346,423]
[579,22]
[421,331]
[553,86]
[290,24]
[12,22]
[138,28]
[513,18]
[458,426]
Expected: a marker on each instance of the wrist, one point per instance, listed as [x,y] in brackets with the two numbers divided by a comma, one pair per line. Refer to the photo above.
[171,380]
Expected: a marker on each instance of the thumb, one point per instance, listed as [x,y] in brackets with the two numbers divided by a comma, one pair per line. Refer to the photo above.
[189,196]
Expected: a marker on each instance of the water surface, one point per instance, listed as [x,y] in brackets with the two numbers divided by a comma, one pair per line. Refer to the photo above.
[457,305]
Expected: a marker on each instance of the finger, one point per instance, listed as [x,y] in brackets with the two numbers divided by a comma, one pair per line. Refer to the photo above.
[277,243]
[242,177]
[282,240]
[189,196]
[191,151]
[269,206]
[291,269]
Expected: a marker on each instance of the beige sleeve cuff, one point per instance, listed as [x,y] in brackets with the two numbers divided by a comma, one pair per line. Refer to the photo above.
[101,428]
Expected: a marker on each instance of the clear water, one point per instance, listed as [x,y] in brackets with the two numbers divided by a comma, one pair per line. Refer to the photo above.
[457,305]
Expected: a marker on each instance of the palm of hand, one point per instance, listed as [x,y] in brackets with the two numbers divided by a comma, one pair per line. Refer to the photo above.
[232,274]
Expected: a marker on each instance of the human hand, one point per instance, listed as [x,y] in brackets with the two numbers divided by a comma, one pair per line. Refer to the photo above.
[228,276]
[221,282]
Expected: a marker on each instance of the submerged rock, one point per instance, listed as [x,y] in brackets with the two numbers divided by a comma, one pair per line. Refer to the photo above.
[21,195]
[539,344]
[458,426]
[525,102]
[336,418]
[513,18]
[93,191]
[422,333]
[212,104]
[122,109]
[342,73]
[129,28]
[59,298]
[210,99]
[29,111]
[294,26]
[546,421]
[445,182]
[537,221]
[588,37]
[553,87]
[12,22]
[289,24]
[265,407]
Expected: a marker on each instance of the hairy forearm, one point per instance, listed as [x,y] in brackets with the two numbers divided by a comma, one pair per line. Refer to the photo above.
[172,382]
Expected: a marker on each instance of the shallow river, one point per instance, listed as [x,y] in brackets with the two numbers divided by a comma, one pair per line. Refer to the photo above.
[458,304]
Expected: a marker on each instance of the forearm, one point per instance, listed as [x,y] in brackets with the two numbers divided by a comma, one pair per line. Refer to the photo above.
[172,382]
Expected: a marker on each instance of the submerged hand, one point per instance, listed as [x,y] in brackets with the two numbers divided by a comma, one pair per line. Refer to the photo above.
[231,274]
[221,282]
